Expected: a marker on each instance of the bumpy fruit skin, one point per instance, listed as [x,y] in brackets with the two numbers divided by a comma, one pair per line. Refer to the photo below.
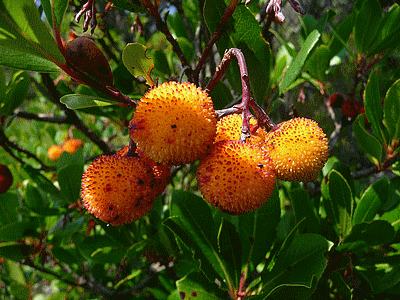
[118,189]
[299,149]
[162,173]
[336,100]
[174,123]
[6,179]
[83,54]
[72,145]
[350,108]
[236,177]
[229,129]
[54,152]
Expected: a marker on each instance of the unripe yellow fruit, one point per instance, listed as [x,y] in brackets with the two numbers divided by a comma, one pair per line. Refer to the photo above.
[54,152]
[299,149]
[230,128]
[118,189]
[72,145]
[174,123]
[236,177]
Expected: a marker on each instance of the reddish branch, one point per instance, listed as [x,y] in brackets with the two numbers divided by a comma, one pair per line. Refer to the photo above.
[247,101]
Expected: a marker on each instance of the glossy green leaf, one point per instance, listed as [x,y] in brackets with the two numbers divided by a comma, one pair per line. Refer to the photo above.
[15,252]
[367,142]
[135,60]
[193,215]
[342,203]
[257,230]
[18,230]
[161,62]
[366,25]
[69,174]
[243,32]
[341,35]
[371,202]
[79,101]
[22,30]
[100,248]
[301,264]
[393,195]
[196,286]
[8,209]
[377,232]
[318,63]
[392,111]
[295,68]
[19,60]
[373,107]
[388,31]
[56,7]
[230,249]
[187,48]
[16,93]
[303,209]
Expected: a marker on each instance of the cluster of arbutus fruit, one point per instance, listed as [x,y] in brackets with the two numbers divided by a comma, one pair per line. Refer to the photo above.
[175,123]
[70,145]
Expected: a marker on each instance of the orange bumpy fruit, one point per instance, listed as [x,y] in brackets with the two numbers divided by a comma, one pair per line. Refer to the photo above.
[236,177]
[72,145]
[229,128]
[54,152]
[174,123]
[6,179]
[118,189]
[299,149]
[162,173]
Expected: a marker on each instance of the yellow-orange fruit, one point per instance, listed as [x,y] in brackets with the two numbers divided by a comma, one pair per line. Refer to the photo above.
[236,177]
[83,54]
[230,126]
[54,152]
[161,172]
[299,149]
[72,145]
[174,123]
[118,189]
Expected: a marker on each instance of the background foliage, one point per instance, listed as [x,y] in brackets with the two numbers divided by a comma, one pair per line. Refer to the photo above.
[335,238]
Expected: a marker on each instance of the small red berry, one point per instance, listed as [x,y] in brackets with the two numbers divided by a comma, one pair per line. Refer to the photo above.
[350,108]
[6,179]
[336,100]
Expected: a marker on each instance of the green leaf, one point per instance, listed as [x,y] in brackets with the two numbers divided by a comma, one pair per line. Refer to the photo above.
[341,35]
[257,230]
[392,111]
[67,256]
[135,60]
[366,25]
[16,252]
[373,107]
[230,249]
[377,232]
[371,201]
[221,95]
[101,249]
[79,101]
[69,174]
[318,63]
[22,30]
[17,90]
[42,182]
[192,214]
[196,286]
[295,68]
[187,48]
[18,230]
[243,32]
[393,195]
[367,142]
[14,271]
[161,62]
[301,264]
[130,5]
[303,209]
[57,7]
[342,203]
[19,60]
[8,208]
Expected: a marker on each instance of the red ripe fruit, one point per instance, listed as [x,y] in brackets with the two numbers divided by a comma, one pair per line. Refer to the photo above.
[6,179]
[336,100]
[350,108]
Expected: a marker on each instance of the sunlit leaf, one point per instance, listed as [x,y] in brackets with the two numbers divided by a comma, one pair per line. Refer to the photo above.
[79,101]
[135,60]
[392,111]
[196,286]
